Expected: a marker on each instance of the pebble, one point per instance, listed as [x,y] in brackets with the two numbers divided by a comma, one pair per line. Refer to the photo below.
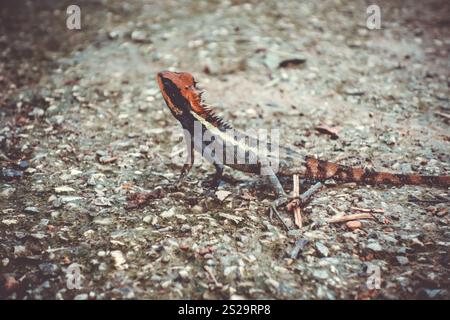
[83,296]
[23,164]
[11,173]
[37,112]
[374,246]
[353,225]
[19,250]
[64,189]
[31,210]
[320,274]
[168,213]
[322,249]
[185,228]
[222,194]
[51,110]
[102,202]
[147,218]
[7,193]
[48,268]
[197,209]
[103,221]
[119,259]
[139,36]
[402,260]
[9,222]
[184,274]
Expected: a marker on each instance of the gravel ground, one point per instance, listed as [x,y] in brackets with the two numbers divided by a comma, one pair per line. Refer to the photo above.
[83,129]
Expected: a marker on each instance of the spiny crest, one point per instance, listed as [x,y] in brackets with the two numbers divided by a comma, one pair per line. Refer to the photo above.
[206,111]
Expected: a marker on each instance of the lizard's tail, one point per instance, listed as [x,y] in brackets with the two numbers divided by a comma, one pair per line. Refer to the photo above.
[322,170]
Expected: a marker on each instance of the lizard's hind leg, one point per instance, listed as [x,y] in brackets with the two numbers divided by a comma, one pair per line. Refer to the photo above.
[282,197]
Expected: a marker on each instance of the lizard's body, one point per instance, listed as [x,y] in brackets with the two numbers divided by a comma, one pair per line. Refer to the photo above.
[184,101]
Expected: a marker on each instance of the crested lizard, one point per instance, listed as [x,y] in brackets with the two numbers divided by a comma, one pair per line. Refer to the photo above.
[184,99]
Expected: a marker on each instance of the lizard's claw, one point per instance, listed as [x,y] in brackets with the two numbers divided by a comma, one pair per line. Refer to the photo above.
[273,209]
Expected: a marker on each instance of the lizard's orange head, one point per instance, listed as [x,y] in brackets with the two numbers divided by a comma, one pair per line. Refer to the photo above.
[179,92]
[183,99]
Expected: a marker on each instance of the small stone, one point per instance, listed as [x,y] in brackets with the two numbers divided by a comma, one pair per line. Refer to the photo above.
[140,36]
[103,221]
[235,219]
[127,292]
[185,228]
[402,260]
[168,213]
[51,110]
[11,174]
[23,164]
[38,236]
[119,259]
[19,250]
[353,225]
[434,293]
[144,149]
[230,271]
[222,194]
[48,268]
[320,274]
[9,222]
[107,159]
[102,266]
[5,262]
[101,253]
[37,112]
[31,210]
[102,202]
[113,35]
[322,249]
[83,296]
[89,234]
[197,209]
[64,189]
[7,193]
[374,246]
[184,274]
[147,218]
[67,199]
[143,107]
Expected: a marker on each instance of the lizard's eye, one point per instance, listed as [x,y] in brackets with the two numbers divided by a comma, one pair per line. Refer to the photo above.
[186,87]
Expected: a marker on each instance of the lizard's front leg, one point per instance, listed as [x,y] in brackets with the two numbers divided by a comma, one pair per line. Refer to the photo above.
[217,176]
[188,163]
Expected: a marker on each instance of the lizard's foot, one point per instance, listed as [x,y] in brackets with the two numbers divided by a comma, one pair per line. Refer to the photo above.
[292,202]
[273,210]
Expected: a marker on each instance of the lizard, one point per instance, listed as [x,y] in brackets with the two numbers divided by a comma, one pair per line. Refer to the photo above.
[184,99]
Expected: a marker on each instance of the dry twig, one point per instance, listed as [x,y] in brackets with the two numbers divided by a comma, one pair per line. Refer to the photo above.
[350,217]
